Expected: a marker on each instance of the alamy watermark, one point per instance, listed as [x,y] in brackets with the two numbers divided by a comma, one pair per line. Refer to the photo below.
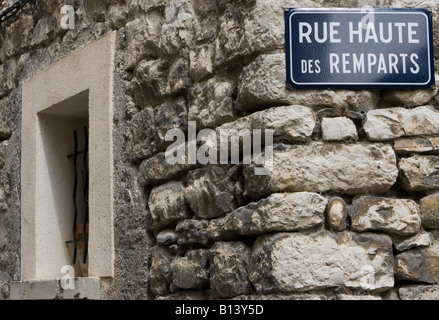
[68,19]
[212,147]
[68,280]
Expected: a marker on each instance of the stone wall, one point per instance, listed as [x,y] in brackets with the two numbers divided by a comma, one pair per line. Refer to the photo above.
[349,211]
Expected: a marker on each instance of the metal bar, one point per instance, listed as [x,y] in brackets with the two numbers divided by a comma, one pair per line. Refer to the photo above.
[85,193]
[13,10]
[75,205]
[70,156]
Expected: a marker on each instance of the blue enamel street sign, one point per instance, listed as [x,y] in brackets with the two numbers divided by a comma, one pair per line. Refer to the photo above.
[359,48]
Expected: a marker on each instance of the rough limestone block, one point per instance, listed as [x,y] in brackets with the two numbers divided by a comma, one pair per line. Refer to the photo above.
[160,275]
[210,191]
[7,69]
[420,173]
[167,237]
[178,77]
[211,103]
[413,145]
[157,169]
[289,123]
[435,143]
[178,28]
[419,292]
[420,264]
[398,216]
[201,64]
[351,297]
[430,211]
[142,37]
[287,262]
[422,239]
[167,204]
[338,129]
[262,83]
[410,98]
[290,296]
[148,87]
[336,214]
[192,231]
[357,169]
[229,264]
[186,295]
[169,115]
[140,133]
[190,272]
[278,212]
[388,124]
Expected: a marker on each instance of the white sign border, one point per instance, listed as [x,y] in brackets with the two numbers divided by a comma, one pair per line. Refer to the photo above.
[390,11]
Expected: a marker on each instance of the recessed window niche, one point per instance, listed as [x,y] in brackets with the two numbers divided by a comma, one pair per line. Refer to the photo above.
[73,94]
[61,185]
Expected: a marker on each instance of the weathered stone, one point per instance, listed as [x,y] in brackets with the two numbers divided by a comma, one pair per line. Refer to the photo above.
[264,29]
[117,17]
[192,231]
[338,129]
[262,83]
[149,85]
[211,103]
[140,135]
[158,169]
[291,296]
[178,77]
[422,120]
[230,41]
[420,264]
[210,192]
[384,124]
[189,272]
[44,31]
[160,273]
[178,28]
[170,115]
[184,296]
[419,292]
[278,212]
[388,124]
[167,204]
[289,262]
[201,64]
[430,211]
[311,168]
[409,98]
[413,145]
[6,118]
[337,214]
[289,123]
[398,216]
[422,239]
[142,37]
[229,265]
[420,172]
[7,69]
[359,297]
[435,143]
[167,237]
